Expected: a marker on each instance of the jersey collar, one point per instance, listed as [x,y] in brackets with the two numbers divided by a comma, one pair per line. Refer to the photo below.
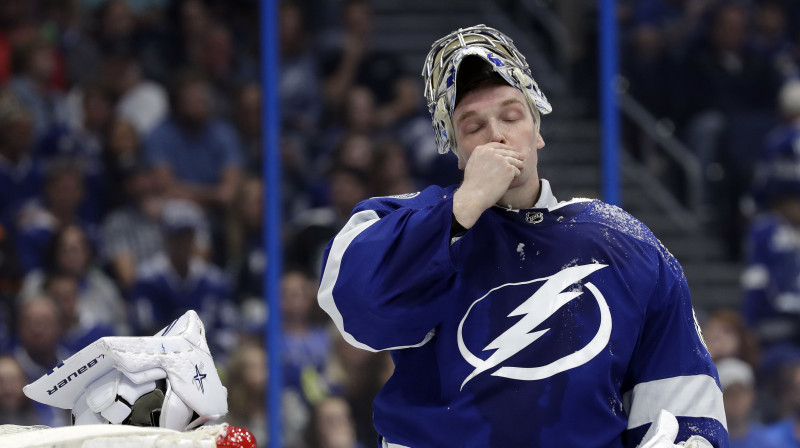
[546,198]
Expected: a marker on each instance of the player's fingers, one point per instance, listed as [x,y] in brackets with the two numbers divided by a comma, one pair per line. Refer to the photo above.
[515,162]
[497,147]
[509,153]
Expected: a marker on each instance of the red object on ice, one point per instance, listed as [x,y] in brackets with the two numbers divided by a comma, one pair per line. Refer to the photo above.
[236,437]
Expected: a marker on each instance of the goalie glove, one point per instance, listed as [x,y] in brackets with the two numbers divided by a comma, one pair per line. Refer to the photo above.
[663,431]
[167,380]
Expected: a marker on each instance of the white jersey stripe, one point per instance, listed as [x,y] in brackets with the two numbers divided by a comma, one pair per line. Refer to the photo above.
[358,223]
[385,444]
[683,396]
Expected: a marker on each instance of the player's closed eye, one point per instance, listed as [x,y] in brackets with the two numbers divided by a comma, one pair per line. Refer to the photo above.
[512,116]
[473,129]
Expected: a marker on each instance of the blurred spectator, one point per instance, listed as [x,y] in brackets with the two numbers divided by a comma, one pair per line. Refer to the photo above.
[727,337]
[82,144]
[225,68]
[248,123]
[300,90]
[331,425]
[390,170]
[81,139]
[10,282]
[359,375]
[354,150]
[784,433]
[65,290]
[132,234]
[69,253]
[358,118]
[649,67]
[193,19]
[121,153]
[772,278]
[113,27]
[17,21]
[299,177]
[724,76]
[305,343]
[178,279]
[20,175]
[246,380]
[196,156]
[15,407]
[38,347]
[355,63]
[675,20]
[771,31]
[142,102]
[738,390]
[39,220]
[315,227]
[33,62]
[246,258]
[39,350]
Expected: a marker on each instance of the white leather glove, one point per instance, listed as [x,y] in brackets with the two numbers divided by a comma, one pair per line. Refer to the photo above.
[107,379]
[663,431]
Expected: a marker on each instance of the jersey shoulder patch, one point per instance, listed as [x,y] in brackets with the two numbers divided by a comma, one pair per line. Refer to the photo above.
[418,200]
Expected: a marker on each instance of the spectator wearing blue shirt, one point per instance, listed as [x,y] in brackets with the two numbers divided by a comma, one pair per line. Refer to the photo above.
[33,63]
[78,332]
[38,348]
[784,433]
[738,390]
[196,155]
[99,302]
[178,279]
[772,277]
[20,175]
[39,220]
[306,343]
[82,143]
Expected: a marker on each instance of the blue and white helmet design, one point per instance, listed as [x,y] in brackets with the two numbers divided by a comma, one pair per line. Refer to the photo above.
[441,70]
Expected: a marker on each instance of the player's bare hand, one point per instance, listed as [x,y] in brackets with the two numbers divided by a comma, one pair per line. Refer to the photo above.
[487,175]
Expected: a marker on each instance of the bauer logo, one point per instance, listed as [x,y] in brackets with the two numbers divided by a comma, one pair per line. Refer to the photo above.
[488,328]
[73,375]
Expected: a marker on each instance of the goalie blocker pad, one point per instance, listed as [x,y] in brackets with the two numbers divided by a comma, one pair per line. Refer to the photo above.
[128,367]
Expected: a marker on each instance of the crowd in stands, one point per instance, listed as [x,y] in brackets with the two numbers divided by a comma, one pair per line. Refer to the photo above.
[131,189]
[712,70]
[726,75]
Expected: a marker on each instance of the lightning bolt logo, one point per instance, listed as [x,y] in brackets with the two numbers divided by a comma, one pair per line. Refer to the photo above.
[548,299]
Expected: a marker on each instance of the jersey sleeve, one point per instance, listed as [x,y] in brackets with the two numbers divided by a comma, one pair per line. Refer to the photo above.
[387,274]
[671,368]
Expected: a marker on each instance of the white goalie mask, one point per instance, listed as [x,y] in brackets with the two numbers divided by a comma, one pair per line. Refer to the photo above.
[168,380]
[441,72]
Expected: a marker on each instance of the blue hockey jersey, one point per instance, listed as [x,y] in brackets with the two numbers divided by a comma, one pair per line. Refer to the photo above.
[564,325]
[772,279]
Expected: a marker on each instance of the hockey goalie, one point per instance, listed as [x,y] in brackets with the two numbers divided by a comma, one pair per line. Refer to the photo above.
[136,391]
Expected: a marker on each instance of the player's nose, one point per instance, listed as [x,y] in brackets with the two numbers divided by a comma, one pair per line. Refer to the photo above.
[496,133]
